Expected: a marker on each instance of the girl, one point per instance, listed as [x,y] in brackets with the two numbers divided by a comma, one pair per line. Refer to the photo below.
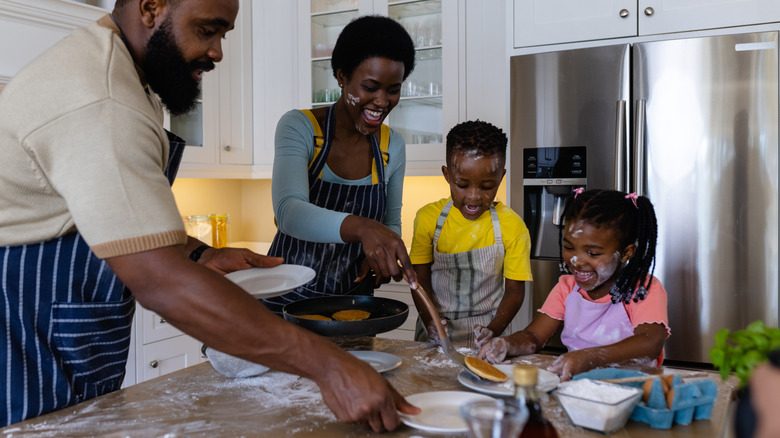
[612,308]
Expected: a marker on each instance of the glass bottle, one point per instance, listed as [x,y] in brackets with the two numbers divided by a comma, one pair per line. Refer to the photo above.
[525,378]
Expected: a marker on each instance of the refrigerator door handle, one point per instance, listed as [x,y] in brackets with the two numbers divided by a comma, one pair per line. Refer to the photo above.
[638,185]
[621,170]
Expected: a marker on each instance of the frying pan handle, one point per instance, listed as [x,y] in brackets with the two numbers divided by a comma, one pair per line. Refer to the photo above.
[431,310]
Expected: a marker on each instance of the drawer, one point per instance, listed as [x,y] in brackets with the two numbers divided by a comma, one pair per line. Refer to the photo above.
[153,327]
[160,358]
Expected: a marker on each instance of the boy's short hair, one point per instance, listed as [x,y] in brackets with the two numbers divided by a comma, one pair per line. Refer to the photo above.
[476,135]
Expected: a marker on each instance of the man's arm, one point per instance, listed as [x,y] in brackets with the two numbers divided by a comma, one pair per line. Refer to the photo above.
[215,311]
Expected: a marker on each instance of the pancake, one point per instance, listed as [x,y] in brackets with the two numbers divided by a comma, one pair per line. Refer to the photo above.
[485,370]
[351,315]
[317,317]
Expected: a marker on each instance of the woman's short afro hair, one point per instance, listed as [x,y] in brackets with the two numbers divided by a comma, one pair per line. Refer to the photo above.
[372,36]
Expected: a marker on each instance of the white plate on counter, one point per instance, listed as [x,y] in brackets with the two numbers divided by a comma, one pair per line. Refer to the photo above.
[378,360]
[271,282]
[547,382]
[440,410]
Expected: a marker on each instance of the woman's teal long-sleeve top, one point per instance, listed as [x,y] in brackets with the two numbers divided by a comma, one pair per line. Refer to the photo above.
[295,215]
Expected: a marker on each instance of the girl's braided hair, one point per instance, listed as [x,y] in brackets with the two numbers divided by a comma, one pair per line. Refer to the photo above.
[632,221]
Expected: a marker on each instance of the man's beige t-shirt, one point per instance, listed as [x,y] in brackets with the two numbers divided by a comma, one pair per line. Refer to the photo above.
[83,148]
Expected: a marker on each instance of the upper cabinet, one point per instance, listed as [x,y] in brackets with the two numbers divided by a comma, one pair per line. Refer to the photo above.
[429,98]
[230,133]
[219,132]
[28,27]
[540,22]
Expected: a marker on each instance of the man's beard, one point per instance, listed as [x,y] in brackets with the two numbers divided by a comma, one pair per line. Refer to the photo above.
[169,74]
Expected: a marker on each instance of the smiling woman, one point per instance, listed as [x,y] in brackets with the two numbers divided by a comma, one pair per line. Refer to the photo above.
[338,171]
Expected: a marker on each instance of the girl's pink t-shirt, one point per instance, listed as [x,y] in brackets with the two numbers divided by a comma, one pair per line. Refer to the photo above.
[650,310]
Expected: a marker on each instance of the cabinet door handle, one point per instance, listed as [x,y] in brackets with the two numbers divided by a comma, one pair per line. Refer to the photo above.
[623,13]
[154,364]
[227,148]
[649,11]
[162,321]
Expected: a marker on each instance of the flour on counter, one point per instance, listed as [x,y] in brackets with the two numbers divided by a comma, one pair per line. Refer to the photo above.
[597,405]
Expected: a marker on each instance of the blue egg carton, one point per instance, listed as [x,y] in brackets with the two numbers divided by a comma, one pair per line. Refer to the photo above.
[691,401]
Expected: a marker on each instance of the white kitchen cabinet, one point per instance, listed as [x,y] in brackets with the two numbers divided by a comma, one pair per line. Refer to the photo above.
[219,132]
[399,291]
[163,357]
[429,104]
[540,22]
[157,348]
[29,27]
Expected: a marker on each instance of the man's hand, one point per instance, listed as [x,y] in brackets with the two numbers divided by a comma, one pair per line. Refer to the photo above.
[225,260]
[358,394]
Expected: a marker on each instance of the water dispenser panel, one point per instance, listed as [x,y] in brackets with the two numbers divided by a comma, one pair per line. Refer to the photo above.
[554,166]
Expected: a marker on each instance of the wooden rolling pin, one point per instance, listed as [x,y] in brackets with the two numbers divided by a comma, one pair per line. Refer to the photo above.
[654,376]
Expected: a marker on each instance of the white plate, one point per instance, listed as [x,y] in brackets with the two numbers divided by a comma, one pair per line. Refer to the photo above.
[378,360]
[271,282]
[440,410]
[547,382]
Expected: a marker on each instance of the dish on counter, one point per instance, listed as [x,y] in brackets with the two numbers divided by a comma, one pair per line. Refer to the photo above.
[440,410]
[547,382]
[271,282]
[378,360]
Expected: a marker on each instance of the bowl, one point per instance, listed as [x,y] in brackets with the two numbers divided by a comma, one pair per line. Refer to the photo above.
[595,405]
[385,314]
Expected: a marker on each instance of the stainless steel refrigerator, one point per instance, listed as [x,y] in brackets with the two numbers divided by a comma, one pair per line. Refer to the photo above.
[690,123]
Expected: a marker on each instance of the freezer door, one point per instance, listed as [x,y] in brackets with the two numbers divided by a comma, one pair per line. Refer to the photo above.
[707,131]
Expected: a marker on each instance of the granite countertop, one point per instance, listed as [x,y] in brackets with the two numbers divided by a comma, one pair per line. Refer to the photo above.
[197,401]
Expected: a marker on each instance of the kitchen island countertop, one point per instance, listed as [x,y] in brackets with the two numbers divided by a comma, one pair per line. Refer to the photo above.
[197,401]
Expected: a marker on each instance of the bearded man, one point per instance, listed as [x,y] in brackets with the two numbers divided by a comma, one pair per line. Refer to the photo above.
[88,223]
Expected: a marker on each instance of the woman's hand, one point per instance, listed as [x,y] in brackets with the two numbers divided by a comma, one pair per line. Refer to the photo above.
[383,248]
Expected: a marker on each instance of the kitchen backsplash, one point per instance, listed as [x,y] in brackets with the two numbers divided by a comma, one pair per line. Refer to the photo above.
[248,202]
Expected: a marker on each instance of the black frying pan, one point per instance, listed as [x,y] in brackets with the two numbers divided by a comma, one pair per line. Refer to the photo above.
[386,314]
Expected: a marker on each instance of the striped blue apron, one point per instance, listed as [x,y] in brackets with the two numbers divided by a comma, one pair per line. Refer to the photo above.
[336,264]
[66,323]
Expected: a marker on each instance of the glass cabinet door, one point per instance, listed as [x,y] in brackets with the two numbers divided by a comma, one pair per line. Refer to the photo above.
[418,116]
[189,126]
[328,18]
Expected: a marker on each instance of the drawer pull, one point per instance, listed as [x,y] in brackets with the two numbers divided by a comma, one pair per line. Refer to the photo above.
[162,321]
[154,364]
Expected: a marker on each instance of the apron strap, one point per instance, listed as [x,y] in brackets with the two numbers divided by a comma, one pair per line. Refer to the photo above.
[496,225]
[440,221]
[322,144]
[384,145]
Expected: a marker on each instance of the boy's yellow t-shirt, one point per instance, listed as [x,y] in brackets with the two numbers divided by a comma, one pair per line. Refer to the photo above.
[459,234]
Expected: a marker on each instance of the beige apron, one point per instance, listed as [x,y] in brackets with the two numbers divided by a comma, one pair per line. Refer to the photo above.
[468,286]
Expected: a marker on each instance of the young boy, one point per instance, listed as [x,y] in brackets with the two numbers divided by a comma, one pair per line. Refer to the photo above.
[472,254]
